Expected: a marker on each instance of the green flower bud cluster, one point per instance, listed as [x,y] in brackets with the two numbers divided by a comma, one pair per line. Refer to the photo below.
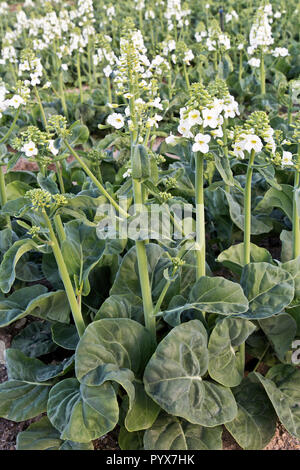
[218,88]
[35,230]
[171,183]
[41,199]
[199,97]
[177,262]
[165,196]
[58,125]
[258,121]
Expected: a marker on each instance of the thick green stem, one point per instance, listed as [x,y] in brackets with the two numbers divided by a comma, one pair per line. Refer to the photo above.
[247,209]
[187,81]
[44,119]
[62,94]
[95,181]
[150,322]
[296,220]
[13,125]
[200,216]
[262,74]
[79,77]
[3,195]
[109,90]
[60,177]
[59,228]
[75,307]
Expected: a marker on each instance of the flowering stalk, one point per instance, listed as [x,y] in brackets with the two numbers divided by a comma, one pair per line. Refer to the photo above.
[296,219]
[75,307]
[200,216]
[94,179]
[150,321]
[247,209]
[62,94]
[262,74]
[79,77]
[3,195]
[44,119]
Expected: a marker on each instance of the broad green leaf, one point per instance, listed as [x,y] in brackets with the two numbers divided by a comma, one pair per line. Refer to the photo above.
[47,183]
[269,290]
[43,436]
[293,267]
[119,306]
[174,378]
[109,345]
[280,331]
[35,340]
[255,423]
[16,189]
[211,294]
[82,250]
[226,362]
[10,260]
[142,412]
[34,301]
[282,199]
[171,433]
[259,224]
[39,436]
[233,257]
[286,238]
[32,370]
[130,440]
[282,384]
[20,401]
[127,282]
[223,167]
[65,336]
[82,413]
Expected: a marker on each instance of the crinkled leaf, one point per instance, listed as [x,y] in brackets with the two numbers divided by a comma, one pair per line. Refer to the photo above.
[282,384]
[171,433]
[82,250]
[174,378]
[65,336]
[255,424]
[35,340]
[280,331]
[82,413]
[20,401]
[10,260]
[34,301]
[211,294]
[269,290]
[226,362]
[233,257]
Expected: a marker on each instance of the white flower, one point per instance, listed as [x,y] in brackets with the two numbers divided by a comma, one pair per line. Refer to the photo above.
[127,173]
[16,101]
[238,150]
[210,118]
[51,147]
[277,14]
[252,142]
[64,67]
[116,120]
[254,62]
[171,140]
[194,117]
[107,71]
[287,158]
[217,132]
[184,128]
[280,52]
[201,143]
[29,149]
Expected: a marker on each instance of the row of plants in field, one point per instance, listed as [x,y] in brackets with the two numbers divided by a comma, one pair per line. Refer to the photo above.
[155,240]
